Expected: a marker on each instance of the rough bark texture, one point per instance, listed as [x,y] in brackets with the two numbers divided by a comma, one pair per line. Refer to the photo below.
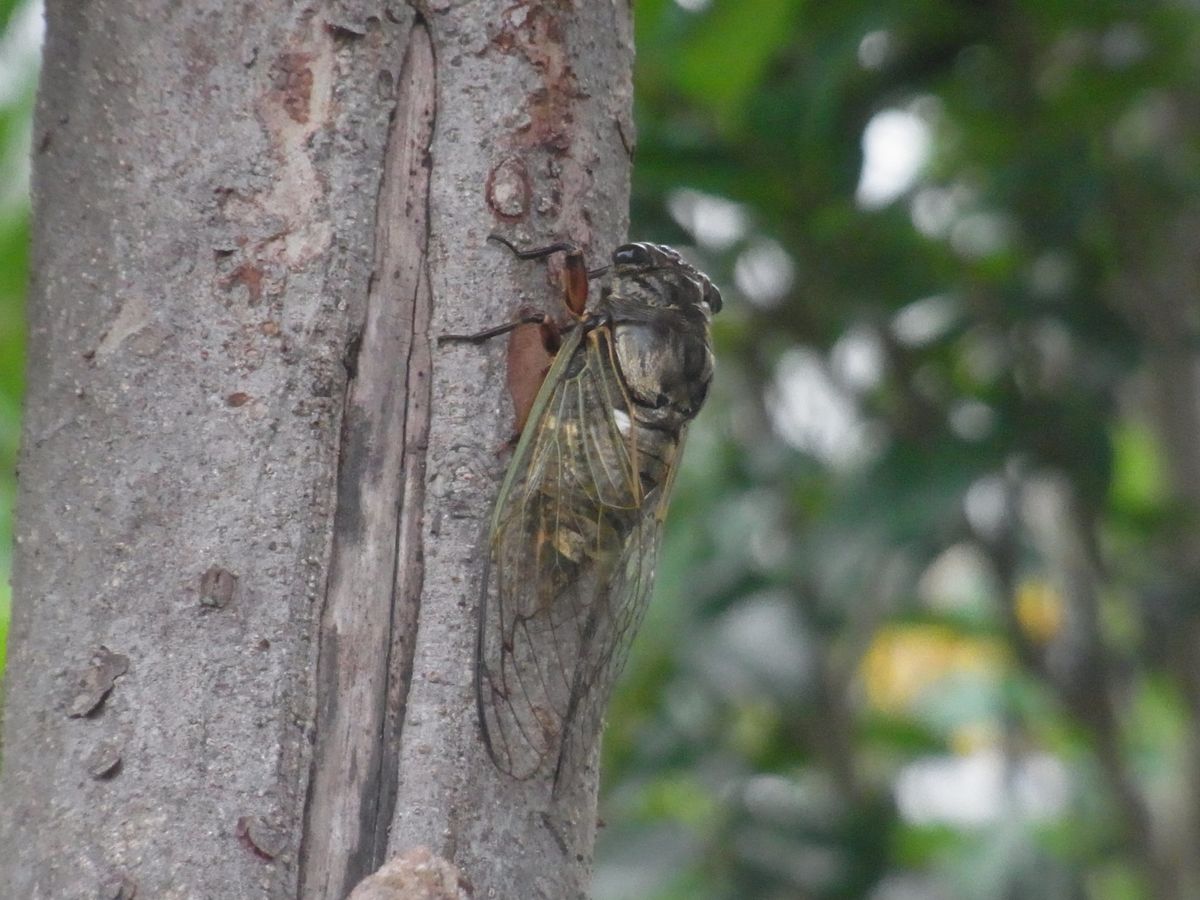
[252,487]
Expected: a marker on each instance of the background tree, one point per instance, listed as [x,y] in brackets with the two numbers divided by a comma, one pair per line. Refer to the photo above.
[252,491]
[929,625]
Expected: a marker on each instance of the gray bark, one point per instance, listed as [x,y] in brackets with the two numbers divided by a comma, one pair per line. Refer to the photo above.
[252,488]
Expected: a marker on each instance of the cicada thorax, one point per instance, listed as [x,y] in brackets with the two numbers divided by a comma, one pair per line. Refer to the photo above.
[660,325]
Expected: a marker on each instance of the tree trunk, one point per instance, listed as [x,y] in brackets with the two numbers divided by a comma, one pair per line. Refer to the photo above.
[252,487]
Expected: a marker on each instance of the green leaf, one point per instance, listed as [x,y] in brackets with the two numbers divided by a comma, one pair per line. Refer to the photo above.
[728,50]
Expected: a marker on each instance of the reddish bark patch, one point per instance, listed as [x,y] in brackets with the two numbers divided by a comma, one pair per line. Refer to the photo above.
[251,276]
[536,32]
[294,81]
[531,350]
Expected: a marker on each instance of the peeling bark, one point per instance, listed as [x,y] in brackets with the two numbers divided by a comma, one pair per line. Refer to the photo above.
[247,473]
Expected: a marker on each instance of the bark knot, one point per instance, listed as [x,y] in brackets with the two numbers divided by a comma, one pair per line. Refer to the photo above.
[508,189]
[416,875]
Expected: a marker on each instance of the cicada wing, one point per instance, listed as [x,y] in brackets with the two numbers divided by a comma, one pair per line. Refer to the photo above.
[571,564]
[615,622]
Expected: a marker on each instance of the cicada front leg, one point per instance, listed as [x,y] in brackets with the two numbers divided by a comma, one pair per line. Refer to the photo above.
[575,271]
[526,316]
[532,346]
[533,340]
[534,336]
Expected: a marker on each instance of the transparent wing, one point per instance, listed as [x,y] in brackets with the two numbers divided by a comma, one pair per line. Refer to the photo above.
[573,545]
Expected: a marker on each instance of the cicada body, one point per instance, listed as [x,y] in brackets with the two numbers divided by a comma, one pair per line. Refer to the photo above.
[576,529]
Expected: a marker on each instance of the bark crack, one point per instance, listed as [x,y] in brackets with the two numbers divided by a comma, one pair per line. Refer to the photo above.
[368,621]
[409,573]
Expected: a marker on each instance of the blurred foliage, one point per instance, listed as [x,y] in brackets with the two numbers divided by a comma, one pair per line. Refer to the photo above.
[927,621]
[18,76]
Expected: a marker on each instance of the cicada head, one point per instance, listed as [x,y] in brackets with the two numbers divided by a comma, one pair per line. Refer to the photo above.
[656,275]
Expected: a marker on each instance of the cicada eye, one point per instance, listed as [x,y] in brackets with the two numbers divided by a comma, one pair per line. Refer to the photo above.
[631,255]
[713,297]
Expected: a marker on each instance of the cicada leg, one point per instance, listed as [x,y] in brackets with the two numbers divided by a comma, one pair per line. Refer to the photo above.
[525,318]
[575,270]
[533,339]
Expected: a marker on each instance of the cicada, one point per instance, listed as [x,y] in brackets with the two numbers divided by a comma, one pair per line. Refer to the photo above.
[575,531]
